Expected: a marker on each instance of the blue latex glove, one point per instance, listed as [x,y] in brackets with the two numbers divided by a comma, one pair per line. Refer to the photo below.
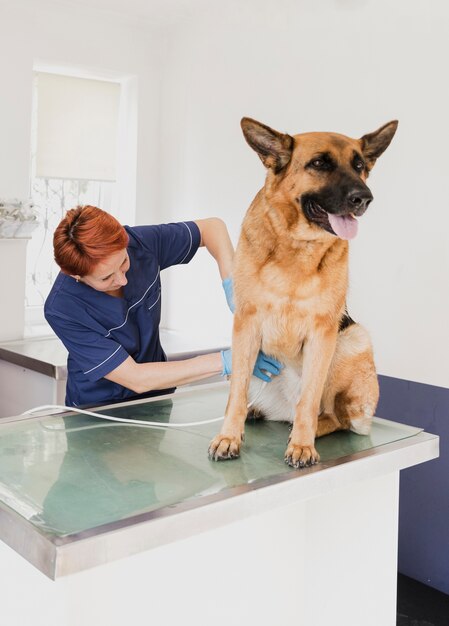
[266,364]
[263,364]
[229,293]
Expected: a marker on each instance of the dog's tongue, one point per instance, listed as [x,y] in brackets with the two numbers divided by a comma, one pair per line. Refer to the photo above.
[345,226]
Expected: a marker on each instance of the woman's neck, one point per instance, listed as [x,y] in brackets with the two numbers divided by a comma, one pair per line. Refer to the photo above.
[117,293]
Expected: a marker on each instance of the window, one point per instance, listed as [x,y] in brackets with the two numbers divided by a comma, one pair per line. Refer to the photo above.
[52,198]
[76,128]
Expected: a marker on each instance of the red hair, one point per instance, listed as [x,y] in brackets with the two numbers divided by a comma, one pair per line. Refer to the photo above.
[86,236]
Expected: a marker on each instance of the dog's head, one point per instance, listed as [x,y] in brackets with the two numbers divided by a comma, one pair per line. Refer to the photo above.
[319,177]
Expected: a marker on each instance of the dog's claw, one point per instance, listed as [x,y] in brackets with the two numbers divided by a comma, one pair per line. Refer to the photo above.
[299,457]
[224,448]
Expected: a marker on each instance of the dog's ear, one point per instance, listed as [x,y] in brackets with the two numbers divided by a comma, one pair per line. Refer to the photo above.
[374,144]
[273,148]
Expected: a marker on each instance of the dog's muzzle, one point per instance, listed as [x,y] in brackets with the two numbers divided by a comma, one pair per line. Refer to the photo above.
[341,223]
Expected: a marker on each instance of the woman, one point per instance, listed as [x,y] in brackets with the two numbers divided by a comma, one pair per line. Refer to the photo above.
[105,305]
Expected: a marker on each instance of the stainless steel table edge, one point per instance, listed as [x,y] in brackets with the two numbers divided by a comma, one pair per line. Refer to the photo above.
[25,539]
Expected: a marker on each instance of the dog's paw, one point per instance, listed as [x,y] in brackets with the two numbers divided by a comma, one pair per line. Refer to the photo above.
[223,447]
[301,456]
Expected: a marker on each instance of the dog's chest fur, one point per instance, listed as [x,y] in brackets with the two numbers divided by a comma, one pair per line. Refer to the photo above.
[295,287]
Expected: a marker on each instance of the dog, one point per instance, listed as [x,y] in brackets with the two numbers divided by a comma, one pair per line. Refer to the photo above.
[290,283]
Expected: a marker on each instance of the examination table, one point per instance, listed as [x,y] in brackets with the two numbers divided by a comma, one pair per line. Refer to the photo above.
[111,523]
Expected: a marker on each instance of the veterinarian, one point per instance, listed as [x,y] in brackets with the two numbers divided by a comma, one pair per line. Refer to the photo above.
[105,305]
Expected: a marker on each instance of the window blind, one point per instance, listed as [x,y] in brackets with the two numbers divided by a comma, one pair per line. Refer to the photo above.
[77,127]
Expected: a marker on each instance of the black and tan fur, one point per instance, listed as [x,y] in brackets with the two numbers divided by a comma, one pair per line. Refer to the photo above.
[290,283]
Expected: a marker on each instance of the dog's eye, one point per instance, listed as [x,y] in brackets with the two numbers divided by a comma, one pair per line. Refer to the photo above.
[359,165]
[322,163]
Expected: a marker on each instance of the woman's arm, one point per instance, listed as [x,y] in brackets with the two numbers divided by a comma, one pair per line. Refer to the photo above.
[143,377]
[215,238]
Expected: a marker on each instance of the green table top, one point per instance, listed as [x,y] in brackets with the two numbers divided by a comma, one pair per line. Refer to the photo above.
[67,474]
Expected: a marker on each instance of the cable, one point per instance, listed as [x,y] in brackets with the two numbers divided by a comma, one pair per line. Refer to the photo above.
[72,409]
[61,407]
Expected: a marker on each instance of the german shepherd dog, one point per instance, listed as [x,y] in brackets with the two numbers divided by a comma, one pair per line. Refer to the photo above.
[290,282]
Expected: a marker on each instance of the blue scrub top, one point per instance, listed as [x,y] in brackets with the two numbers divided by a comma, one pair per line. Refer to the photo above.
[100,331]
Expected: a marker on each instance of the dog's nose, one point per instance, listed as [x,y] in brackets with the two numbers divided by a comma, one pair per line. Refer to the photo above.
[359,200]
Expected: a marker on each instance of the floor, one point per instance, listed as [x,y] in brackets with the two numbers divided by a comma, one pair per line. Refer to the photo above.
[420,605]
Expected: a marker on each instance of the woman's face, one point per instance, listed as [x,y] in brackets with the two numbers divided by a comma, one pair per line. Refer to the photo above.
[109,275]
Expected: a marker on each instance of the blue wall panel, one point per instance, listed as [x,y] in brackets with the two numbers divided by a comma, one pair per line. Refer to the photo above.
[424,490]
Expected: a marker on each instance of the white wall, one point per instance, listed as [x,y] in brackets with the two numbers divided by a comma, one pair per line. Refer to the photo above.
[343,65]
[97,44]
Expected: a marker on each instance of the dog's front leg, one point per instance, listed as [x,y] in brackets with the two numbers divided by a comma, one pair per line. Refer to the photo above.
[317,356]
[245,347]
